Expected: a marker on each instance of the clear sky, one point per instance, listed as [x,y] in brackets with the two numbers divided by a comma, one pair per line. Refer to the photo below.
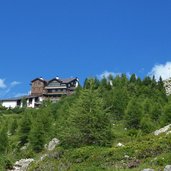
[80,39]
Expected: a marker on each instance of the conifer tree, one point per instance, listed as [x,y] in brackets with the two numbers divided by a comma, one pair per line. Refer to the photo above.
[3,140]
[166,117]
[37,135]
[14,126]
[25,127]
[88,123]
[119,102]
[133,78]
[133,114]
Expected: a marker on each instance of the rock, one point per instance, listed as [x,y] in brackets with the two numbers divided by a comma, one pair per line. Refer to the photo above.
[52,144]
[22,165]
[24,147]
[167,168]
[148,170]
[162,130]
[167,85]
[120,145]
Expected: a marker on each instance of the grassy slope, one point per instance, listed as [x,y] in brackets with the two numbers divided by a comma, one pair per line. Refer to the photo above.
[150,151]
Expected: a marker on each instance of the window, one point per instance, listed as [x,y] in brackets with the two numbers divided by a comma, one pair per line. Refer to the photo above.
[53,91]
[54,84]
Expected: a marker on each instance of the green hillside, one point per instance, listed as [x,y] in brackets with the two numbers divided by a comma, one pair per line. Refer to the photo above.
[107,124]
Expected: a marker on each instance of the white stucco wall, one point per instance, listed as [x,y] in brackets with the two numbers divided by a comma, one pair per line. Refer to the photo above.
[32,103]
[9,104]
[41,99]
[77,83]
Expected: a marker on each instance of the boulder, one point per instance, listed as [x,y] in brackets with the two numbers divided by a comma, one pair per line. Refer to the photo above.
[162,130]
[52,144]
[148,170]
[120,145]
[24,147]
[167,168]
[22,165]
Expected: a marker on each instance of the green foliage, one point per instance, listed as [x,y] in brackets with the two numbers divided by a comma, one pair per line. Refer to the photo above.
[133,114]
[14,126]
[92,120]
[2,109]
[119,102]
[87,122]
[89,81]
[156,111]
[5,163]
[24,102]
[3,140]
[37,136]
[18,110]
[25,127]
[133,78]
[166,117]
[146,124]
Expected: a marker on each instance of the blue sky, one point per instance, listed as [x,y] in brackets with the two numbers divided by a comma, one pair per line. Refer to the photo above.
[81,39]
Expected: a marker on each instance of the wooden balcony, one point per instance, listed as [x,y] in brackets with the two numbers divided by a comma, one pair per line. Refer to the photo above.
[56,93]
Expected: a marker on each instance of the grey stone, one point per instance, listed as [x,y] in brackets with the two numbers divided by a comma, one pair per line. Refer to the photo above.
[167,168]
[22,165]
[167,85]
[52,144]
[120,145]
[148,170]
[163,130]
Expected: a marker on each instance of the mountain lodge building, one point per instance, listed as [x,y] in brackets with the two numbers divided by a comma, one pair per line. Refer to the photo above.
[41,90]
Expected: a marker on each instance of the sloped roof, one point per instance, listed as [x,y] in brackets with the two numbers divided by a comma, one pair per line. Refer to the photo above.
[18,98]
[14,98]
[41,79]
[68,80]
[65,80]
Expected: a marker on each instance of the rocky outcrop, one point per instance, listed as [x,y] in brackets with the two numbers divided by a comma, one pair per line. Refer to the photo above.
[22,165]
[167,85]
[167,168]
[165,129]
[52,144]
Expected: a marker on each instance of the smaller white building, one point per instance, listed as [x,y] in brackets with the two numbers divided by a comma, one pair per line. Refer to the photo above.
[30,101]
[9,104]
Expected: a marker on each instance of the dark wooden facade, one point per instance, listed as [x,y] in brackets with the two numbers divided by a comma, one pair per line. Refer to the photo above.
[37,87]
[54,88]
